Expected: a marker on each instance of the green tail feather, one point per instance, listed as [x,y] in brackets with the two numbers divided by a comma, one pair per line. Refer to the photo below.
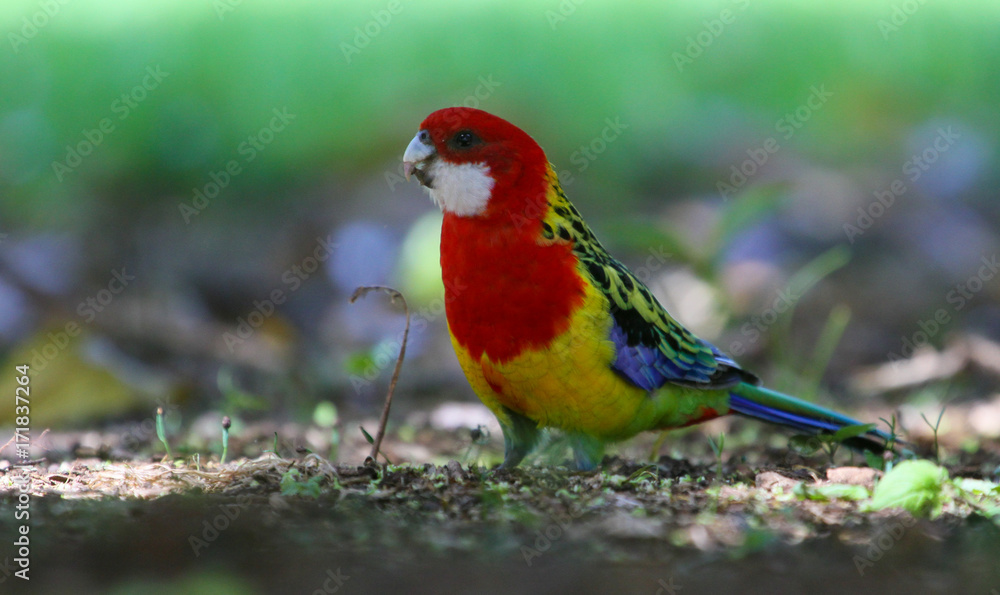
[768,405]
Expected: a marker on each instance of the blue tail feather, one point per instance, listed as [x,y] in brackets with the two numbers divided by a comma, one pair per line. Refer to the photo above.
[774,407]
[748,408]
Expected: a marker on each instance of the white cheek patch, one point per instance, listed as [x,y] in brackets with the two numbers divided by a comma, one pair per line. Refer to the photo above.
[462,189]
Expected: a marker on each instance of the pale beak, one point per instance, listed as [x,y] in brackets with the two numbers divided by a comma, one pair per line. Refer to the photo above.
[416,156]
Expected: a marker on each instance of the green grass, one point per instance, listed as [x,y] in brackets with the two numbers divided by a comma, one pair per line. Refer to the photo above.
[226,75]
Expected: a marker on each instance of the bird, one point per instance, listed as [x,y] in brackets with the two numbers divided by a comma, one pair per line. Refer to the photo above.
[550,330]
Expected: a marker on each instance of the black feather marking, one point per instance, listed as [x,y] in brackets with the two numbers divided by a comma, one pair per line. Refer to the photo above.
[637,329]
[667,351]
[547,231]
[597,272]
[672,341]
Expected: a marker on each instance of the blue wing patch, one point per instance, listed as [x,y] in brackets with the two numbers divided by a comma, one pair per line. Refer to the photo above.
[649,368]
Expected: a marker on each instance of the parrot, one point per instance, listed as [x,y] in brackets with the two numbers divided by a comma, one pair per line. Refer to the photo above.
[550,330]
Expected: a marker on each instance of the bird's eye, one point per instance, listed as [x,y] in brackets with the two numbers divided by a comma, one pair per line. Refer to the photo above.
[424,137]
[465,139]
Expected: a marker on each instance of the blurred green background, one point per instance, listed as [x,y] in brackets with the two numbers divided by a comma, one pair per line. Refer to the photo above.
[167,167]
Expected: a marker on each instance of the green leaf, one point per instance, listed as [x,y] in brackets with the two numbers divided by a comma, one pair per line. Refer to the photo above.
[325,414]
[368,436]
[914,486]
[874,461]
[289,482]
[848,432]
[804,444]
[832,491]
[291,485]
[979,487]
[360,362]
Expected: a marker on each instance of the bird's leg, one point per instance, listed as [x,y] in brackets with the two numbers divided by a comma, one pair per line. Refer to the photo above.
[520,435]
[587,451]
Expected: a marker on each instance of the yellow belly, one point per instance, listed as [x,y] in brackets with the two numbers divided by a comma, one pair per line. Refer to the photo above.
[569,384]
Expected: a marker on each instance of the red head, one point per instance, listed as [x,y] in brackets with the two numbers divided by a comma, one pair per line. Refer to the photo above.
[474,163]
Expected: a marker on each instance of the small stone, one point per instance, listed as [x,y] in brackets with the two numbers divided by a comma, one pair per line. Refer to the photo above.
[859,476]
[454,471]
[768,479]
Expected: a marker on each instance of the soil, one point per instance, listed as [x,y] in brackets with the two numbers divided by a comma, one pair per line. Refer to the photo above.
[113,521]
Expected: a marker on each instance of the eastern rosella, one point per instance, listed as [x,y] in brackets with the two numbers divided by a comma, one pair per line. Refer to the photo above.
[550,330]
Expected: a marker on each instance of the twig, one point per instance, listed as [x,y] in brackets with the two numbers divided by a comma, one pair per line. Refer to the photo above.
[9,442]
[384,419]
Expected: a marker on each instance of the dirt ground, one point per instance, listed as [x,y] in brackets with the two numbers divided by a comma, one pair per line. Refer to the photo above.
[104,520]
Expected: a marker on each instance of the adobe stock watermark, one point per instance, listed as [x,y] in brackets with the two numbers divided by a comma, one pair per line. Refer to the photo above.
[364,35]
[246,151]
[589,152]
[913,169]
[656,259]
[224,7]
[886,540]
[212,528]
[900,14]
[957,299]
[712,29]
[562,12]
[758,324]
[484,90]
[786,298]
[22,484]
[122,107]
[667,587]
[333,581]
[292,279]
[35,22]
[553,531]
[87,310]
[787,126]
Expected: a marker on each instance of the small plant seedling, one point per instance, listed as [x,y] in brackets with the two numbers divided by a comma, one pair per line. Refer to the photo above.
[371,441]
[480,435]
[161,432]
[654,452]
[226,424]
[717,448]
[885,462]
[934,428]
[292,485]
[806,445]
[831,442]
